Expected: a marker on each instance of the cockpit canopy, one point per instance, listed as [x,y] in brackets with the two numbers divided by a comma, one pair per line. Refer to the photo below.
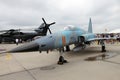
[71,28]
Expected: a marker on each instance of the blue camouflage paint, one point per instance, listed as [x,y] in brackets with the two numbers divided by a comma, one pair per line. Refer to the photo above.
[53,41]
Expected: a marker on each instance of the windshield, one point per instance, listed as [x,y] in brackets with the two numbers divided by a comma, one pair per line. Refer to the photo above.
[71,28]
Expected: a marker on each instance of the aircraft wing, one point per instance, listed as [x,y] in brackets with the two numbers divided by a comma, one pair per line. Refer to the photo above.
[96,39]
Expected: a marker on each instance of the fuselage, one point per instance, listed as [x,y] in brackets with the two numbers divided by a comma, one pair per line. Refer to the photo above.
[55,41]
[61,39]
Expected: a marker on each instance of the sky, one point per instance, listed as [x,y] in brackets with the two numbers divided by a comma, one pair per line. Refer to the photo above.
[20,14]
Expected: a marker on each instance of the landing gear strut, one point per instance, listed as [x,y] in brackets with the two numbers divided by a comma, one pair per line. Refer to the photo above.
[67,48]
[61,58]
[103,49]
[103,46]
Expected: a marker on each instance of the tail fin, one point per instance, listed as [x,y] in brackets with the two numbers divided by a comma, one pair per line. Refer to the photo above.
[90,26]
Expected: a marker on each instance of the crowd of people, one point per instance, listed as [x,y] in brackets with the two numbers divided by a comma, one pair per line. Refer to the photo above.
[110,38]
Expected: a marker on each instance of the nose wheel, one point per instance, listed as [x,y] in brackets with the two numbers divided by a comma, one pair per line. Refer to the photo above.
[61,60]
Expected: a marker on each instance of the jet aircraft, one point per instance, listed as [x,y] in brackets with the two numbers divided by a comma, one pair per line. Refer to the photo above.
[59,40]
[12,34]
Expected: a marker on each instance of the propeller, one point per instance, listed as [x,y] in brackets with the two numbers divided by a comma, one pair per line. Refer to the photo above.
[52,23]
[49,30]
[44,21]
[48,25]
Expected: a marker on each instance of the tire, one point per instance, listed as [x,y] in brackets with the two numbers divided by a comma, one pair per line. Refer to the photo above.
[0,39]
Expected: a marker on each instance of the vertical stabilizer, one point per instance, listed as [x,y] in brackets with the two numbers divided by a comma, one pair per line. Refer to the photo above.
[90,26]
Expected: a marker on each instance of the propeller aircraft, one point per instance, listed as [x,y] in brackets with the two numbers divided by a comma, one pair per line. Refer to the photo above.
[12,34]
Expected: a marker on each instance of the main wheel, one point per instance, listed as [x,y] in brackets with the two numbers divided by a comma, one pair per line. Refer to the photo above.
[0,39]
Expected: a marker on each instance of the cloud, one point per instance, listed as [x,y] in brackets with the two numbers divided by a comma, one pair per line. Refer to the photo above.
[21,13]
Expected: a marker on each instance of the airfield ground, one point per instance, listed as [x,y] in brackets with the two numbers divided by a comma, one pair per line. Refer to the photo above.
[36,66]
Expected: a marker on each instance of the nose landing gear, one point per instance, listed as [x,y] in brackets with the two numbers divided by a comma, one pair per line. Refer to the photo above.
[61,58]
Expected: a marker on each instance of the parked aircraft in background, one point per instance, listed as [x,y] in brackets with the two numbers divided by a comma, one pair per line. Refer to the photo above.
[12,34]
[71,35]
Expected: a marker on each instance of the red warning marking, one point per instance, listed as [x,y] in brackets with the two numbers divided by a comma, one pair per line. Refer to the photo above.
[63,40]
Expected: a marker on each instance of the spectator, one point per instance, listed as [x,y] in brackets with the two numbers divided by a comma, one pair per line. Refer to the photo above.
[16,40]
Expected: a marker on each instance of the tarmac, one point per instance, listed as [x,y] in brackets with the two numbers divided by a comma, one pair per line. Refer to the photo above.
[43,66]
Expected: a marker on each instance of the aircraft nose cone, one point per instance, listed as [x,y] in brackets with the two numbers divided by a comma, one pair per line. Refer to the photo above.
[32,46]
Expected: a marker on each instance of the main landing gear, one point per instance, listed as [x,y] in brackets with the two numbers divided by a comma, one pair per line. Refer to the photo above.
[61,58]
[102,46]
[67,48]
